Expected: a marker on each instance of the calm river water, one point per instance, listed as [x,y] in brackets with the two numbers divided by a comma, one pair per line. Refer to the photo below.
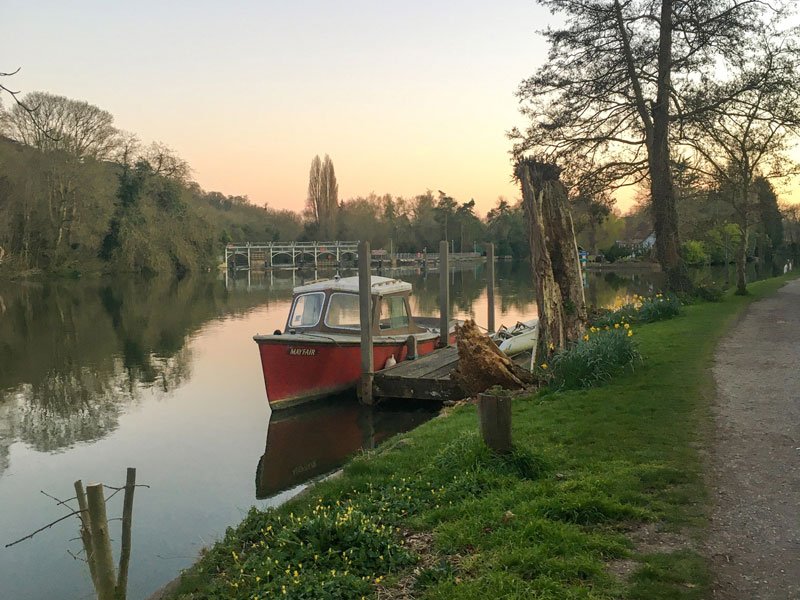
[163,375]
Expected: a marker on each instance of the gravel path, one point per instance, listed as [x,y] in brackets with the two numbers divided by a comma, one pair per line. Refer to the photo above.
[754,537]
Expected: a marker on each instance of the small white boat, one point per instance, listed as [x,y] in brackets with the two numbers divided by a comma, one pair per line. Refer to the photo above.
[520,338]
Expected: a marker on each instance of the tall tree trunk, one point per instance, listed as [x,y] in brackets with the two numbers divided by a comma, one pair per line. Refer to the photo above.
[554,256]
[665,214]
[741,258]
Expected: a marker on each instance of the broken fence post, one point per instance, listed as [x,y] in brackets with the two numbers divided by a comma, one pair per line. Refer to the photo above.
[494,414]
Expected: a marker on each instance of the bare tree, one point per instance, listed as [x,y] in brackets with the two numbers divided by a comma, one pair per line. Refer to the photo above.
[50,122]
[322,204]
[618,70]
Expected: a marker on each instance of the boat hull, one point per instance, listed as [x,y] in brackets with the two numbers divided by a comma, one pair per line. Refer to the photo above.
[298,369]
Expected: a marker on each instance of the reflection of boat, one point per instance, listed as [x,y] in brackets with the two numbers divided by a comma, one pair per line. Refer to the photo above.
[318,353]
[317,439]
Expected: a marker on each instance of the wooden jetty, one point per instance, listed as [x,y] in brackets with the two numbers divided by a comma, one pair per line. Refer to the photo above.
[427,377]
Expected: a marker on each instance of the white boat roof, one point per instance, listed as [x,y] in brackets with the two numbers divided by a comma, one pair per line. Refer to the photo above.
[380,285]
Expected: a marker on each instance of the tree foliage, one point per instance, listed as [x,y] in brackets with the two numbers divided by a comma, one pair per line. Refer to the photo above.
[49,122]
[619,78]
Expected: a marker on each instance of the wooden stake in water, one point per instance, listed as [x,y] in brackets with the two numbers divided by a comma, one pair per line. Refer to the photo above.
[490,284]
[101,543]
[125,549]
[444,294]
[365,311]
[86,534]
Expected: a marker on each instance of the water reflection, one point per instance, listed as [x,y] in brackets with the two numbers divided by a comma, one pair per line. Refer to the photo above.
[303,444]
[73,354]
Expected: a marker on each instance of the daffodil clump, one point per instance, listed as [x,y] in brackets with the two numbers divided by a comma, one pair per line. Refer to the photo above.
[602,352]
[640,309]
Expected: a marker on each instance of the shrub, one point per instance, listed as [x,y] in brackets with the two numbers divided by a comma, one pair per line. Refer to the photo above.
[601,353]
[709,293]
[694,253]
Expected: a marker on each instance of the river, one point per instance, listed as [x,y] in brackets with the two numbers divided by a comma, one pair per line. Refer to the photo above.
[163,375]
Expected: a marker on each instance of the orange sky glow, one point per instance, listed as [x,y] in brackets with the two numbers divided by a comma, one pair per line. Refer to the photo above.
[404,98]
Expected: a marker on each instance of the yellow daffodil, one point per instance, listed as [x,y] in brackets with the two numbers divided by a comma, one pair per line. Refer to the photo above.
[626,326]
[586,338]
[630,332]
[543,365]
[616,325]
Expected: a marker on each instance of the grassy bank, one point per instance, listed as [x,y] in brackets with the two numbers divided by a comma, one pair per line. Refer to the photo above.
[603,497]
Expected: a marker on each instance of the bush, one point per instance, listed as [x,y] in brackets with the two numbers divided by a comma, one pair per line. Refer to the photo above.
[694,253]
[601,354]
[709,293]
[615,252]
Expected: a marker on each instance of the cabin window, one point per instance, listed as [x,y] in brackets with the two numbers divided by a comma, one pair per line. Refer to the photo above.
[343,312]
[307,310]
[393,313]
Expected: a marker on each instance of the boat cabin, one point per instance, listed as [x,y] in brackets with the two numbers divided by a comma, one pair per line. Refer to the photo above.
[332,306]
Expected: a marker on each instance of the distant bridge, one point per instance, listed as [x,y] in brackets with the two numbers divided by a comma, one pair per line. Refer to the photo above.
[247,254]
[263,254]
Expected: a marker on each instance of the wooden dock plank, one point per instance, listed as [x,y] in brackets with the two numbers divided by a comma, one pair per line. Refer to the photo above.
[423,364]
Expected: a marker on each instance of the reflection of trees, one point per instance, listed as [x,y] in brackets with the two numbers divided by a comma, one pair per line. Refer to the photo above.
[74,354]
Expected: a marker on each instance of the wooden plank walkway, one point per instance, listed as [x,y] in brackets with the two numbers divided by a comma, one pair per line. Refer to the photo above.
[427,377]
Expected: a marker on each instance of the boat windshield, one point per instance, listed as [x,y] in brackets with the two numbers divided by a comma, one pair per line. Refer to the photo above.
[307,310]
[393,313]
[343,312]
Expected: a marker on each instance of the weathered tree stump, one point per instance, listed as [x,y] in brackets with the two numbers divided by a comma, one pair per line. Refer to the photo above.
[554,255]
[481,364]
[494,415]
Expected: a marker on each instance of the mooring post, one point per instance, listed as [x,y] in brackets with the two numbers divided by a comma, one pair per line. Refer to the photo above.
[494,414]
[365,311]
[101,542]
[490,284]
[444,295]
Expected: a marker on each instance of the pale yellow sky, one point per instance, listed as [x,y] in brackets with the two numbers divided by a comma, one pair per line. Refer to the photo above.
[403,97]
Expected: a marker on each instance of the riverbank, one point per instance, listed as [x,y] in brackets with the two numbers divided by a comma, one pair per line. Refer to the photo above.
[603,498]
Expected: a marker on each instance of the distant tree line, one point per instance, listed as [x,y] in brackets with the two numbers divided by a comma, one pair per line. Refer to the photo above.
[77,194]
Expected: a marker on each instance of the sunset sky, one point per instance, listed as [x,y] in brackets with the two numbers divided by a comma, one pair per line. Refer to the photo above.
[404,97]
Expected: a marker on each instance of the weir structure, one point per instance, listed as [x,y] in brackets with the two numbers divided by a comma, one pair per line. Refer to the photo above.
[263,254]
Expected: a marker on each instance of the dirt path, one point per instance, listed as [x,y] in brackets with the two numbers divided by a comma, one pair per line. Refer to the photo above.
[754,538]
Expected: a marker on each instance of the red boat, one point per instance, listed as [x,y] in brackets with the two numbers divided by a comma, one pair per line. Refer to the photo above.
[319,351]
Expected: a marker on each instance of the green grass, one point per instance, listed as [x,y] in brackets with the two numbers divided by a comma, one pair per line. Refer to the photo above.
[590,466]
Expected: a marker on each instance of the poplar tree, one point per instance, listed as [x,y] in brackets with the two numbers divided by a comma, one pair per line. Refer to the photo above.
[322,204]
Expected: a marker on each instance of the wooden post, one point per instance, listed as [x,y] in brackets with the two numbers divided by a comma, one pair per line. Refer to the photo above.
[101,542]
[490,284]
[411,343]
[494,414]
[86,534]
[444,295]
[125,548]
[365,311]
